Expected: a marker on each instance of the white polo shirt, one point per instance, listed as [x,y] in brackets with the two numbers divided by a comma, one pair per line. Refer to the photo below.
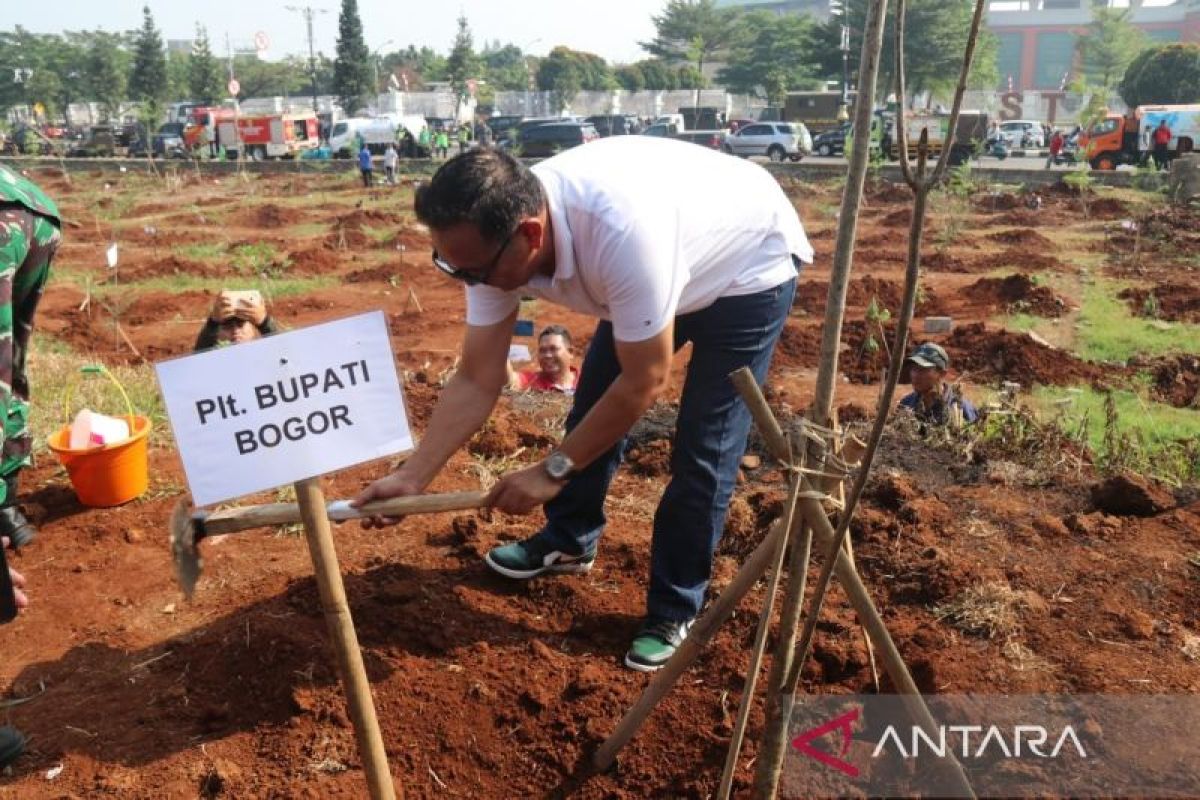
[647,228]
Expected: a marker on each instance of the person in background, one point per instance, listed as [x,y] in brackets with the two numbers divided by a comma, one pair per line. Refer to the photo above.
[442,144]
[390,159]
[554,372]
[30,233]
[1056,145]
[364,165]
[235,317]
[425,143]
[933,400]
[1162,145]
[464,137]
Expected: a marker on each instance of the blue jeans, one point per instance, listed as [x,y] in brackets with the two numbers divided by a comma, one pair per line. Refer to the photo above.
[710,438]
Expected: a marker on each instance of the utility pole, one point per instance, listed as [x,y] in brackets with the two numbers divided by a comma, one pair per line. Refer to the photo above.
[844,111]
[307,12]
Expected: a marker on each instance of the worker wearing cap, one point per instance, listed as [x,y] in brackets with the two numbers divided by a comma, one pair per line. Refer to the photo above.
[932,399]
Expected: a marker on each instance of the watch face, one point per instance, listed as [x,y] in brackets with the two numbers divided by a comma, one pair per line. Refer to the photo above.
[558,466]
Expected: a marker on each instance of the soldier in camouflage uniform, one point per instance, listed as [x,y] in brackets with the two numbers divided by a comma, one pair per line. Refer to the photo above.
[30,232]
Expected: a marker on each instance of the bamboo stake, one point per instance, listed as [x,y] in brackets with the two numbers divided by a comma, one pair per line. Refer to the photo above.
[770,758]
[345,640]
[760,644]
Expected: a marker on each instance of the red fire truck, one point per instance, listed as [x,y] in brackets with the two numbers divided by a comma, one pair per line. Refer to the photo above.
[264,136]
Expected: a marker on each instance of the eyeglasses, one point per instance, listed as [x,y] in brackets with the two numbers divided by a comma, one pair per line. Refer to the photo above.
[472,277]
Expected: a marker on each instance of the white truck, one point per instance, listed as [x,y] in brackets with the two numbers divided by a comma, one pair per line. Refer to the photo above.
[376,132]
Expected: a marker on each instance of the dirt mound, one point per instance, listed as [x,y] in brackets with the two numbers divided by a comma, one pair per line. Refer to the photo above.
[1016,292]
[273,216]
[1004,355]
[999,201]
[1108,208]
[799,346]
[1020,218]
[169,266]
[1131,496]
[1177,381]
[651,459]
[1172,301]
[380,274]
[313,261]
[1021,237]
[887,192]
[942,261]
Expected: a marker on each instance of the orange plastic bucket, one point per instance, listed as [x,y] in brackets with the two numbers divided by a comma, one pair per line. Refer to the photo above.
[111,474]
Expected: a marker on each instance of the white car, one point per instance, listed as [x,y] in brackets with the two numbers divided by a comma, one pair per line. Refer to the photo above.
[775,140]
[1014,131]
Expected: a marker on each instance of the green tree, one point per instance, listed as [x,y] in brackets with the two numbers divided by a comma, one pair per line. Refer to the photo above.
[1109,46]
[560,73]
[352,66]
[935,37]
[692,31]
[148,77]
[462,64]
[204,76]
[105,68]
[504,67]
[630,77]
[269,78]
[418,66]
[770,56]
[1165,74]
[658,75]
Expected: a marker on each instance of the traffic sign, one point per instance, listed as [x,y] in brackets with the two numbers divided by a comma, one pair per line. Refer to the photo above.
[234,87]
[262,42]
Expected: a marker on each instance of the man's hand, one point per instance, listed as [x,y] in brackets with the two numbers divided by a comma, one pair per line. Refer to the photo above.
[222,308]
[18,581]
[252,310]
[394,485]
[522,491]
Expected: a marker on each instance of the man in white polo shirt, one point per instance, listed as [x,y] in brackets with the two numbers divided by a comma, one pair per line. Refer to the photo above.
[665,243]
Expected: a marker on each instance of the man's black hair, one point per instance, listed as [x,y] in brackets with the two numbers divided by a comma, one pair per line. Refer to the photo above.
[484,186]
[556,330]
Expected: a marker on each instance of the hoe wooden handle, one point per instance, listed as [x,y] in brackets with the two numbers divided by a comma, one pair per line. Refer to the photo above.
[232,520]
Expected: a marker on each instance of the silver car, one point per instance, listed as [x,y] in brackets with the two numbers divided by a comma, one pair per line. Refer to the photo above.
[775,140]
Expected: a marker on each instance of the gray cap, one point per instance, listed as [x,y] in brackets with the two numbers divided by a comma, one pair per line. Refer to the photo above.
[930,355]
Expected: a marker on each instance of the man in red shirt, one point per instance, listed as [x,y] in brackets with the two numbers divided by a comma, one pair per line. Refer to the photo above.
[554,372]
[1162,144]
[1056,145]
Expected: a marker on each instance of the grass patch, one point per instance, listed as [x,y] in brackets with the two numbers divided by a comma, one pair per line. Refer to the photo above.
[201,251]
[272,287]
[258,258]
[378,235]
[1110,332]
[306,230]
[60,390]
[1148,437]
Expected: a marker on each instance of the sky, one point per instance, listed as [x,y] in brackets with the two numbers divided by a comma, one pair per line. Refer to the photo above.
[609,28]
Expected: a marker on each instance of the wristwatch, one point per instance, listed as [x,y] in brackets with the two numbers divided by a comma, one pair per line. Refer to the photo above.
[559,466]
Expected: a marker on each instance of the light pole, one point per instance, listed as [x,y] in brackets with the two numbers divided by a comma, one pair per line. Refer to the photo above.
[529,85]
[844,111]
[307,12]
[376,58]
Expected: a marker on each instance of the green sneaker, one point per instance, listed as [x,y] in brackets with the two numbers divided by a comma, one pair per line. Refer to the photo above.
[532,557]
[656,642]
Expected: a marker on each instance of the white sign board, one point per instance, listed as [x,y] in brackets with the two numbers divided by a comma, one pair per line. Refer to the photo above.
[276,410]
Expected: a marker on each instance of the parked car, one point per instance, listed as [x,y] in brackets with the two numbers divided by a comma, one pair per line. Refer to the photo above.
[1023,133]
[775,140]
[502,124]
[711,139]
[545,140]
[831,142]
[738,124]
[660,129]
[166,143]
[613,124]
[518,131]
